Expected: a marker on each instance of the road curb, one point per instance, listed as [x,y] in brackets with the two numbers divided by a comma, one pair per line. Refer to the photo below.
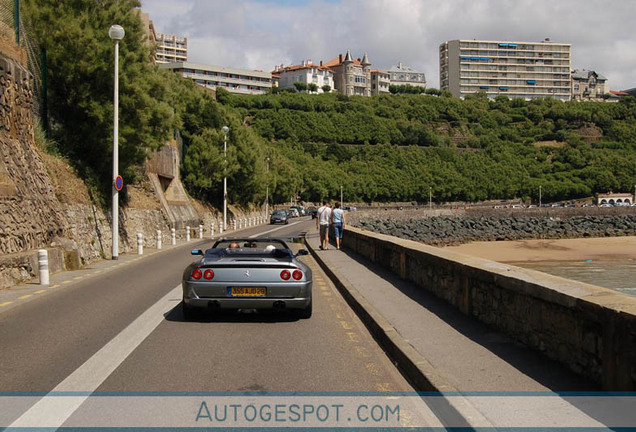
[415,367]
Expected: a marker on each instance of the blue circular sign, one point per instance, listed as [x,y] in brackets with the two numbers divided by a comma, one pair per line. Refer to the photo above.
[119,183]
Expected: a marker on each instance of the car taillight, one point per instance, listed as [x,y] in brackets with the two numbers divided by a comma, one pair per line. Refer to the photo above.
[297,275]
[209,274]
[196,274]
[285,275]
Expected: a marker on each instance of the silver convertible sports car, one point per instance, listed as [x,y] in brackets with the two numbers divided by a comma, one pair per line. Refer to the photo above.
[248,274]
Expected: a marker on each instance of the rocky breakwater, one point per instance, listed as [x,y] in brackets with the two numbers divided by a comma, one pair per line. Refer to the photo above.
[445,230]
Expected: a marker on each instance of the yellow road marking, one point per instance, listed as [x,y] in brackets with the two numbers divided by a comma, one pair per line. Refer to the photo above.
[39,292]
[362,352]
[66,282]
[54,286]
[373,368]
[345,325]
[5,304]
[25,296]
[353,337]
[384,387]
[78,277]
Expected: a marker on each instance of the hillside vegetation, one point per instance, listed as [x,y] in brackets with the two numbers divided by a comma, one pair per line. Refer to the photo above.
[473,149]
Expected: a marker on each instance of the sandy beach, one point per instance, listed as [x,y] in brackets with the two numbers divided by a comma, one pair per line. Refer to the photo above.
[582,249]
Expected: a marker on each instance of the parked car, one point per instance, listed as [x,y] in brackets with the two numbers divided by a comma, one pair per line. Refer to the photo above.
[279,216]
[293,212]
[248,274]
[313,212]
[300,209]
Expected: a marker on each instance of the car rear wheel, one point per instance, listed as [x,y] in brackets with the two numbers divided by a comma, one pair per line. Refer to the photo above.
[305,313]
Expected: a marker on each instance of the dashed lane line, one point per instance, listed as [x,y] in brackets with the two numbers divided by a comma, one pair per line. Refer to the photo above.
[6,303]
[25,296]
[39,292]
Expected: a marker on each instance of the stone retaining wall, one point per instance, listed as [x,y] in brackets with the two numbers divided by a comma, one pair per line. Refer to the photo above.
[590,329]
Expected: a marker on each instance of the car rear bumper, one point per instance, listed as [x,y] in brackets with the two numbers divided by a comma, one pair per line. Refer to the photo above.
[248,303]
[285,296]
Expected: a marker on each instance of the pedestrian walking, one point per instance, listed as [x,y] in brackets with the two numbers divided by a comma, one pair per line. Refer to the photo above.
[338,223]
[323,219]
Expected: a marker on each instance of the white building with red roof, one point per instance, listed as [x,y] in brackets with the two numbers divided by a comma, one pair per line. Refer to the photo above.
[307,72]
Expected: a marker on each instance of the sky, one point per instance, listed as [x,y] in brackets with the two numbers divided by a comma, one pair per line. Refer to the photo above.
[260,34]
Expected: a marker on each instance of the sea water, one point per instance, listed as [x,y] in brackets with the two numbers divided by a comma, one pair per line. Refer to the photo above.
[619,275]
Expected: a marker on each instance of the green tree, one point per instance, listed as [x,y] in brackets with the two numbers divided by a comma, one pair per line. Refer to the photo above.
[326,88]
[80,64]
[313,88]
[300,86]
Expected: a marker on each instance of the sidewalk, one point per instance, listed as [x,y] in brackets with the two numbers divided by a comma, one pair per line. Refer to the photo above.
[437,347]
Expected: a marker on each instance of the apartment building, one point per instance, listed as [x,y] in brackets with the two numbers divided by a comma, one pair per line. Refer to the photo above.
[171,48]
[351,77]
[241,81]
[527,70]
[588,85]
[380,82]
[307,72]
[405,75]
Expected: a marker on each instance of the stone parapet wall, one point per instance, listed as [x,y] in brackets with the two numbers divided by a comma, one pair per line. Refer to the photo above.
[30,214]
[590,329]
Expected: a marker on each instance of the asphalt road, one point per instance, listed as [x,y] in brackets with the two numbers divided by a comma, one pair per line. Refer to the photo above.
[124,331]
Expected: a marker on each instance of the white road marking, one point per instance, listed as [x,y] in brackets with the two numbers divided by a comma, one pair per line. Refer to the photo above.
[55,410]
[275,229]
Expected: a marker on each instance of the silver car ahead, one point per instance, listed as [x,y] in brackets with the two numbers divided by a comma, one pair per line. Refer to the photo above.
[248,274]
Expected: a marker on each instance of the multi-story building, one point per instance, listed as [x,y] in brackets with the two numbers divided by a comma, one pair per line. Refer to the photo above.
[242,81]
[149,29]
[588,85]
[405,75]
[307,72]
[380,82]
[351,77]
[527,70]
[171,48]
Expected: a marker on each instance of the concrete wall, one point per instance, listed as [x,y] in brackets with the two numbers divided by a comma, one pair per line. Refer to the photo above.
[590,329]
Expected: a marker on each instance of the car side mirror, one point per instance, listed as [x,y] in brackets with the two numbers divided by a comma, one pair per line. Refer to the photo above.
[196,252]
[302,252]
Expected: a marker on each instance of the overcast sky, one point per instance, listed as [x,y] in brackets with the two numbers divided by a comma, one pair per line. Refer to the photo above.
[259,34]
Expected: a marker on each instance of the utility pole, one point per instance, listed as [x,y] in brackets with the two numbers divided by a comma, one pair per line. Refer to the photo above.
[430,198]
[539,196]
[341,202]
[267,190]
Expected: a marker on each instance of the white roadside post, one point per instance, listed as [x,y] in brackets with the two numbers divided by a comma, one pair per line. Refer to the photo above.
[234,224]
[220,230]
[173,236]
[188,233]
[158,239]
[140,244]
[200,231]
[212,230]
[43,263]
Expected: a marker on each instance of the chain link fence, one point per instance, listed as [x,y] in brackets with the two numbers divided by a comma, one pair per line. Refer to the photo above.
[15,29]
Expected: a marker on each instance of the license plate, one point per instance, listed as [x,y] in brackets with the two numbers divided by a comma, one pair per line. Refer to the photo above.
[248,291]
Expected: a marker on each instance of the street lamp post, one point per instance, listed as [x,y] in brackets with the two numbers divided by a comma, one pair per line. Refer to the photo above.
[341,202]
[539,196]
[267,190]
[430,198]
[116,33]
[225,131]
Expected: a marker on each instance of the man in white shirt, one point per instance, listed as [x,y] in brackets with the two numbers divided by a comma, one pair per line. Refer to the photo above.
[323,218]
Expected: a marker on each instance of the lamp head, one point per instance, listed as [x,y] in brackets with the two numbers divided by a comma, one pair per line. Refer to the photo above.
[225,129]
[116,32]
